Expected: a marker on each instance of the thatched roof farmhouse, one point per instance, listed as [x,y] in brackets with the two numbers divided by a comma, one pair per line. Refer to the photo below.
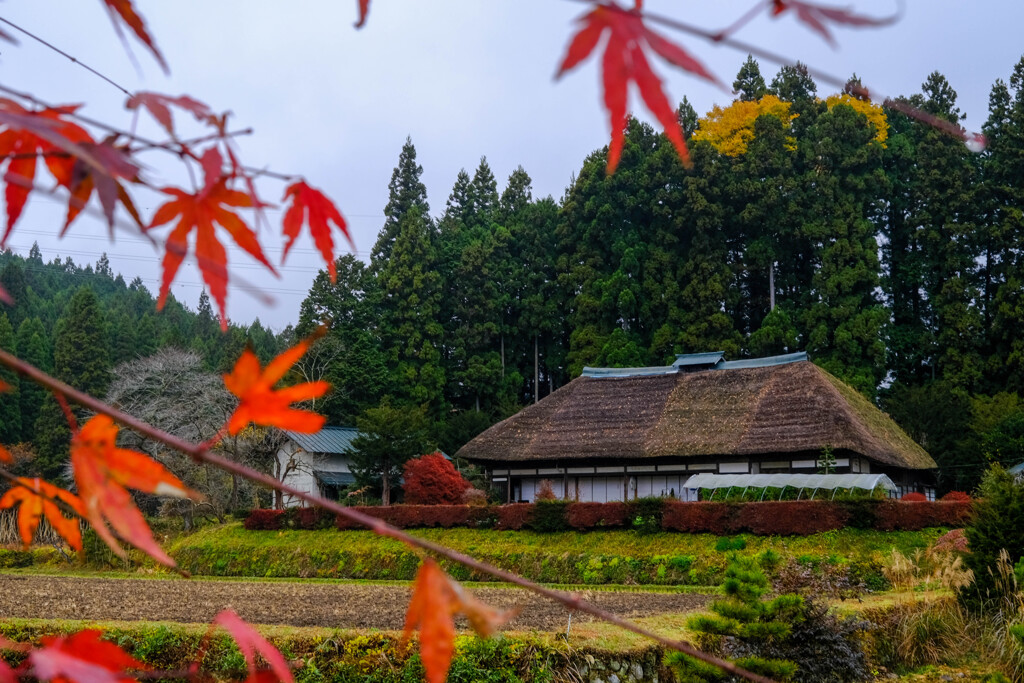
[633,432]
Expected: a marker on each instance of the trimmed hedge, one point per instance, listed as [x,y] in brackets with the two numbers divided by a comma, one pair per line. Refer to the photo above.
[769,518]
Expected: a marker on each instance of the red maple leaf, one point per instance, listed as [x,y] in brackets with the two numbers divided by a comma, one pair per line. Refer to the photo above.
[103,474]
[250,642]
[81,179]
[83,657]
[261,403]
[26,134]
[436,599]
[202,212]
[7,674]
[36,499]
[159,106]
[431,610]
[5,455]
[124,11]
[311,206]
[624,61]
[816,16]
[364,9]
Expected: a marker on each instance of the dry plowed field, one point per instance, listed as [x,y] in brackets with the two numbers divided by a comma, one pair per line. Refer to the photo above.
[288,603]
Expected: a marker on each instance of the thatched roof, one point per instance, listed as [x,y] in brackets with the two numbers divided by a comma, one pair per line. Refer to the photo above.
[795,407]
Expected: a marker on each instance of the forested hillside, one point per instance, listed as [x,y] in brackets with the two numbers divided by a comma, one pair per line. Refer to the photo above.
[886,249]
[78,323]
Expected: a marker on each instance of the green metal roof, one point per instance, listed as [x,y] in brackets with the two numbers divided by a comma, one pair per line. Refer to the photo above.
[765,362]
[630,372]
[714,360]
[335,478]
[334,440]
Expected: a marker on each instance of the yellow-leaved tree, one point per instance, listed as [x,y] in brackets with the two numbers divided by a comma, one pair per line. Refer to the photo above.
[731,129]
[874,113]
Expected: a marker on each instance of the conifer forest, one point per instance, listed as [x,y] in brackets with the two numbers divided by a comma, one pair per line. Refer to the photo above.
[809,221]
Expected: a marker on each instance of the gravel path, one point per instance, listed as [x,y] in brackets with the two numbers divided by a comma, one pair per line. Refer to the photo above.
[287,603]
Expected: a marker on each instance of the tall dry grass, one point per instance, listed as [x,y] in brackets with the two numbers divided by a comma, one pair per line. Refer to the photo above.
[45,535]
[922,629]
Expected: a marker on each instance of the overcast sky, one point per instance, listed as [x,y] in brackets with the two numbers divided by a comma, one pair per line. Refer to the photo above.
[463,78]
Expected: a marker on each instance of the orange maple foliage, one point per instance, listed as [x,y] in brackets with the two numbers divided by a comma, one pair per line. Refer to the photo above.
[266,406]
[311,206]
[202,212]
[431,610]
[36,498]
[103,474]
[83,657]
[624,61]
[123,10]
[251,643]
[436,599]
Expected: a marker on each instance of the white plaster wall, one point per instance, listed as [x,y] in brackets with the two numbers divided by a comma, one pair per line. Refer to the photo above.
[302,476]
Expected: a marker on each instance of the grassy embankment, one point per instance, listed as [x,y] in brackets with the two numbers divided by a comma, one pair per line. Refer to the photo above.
[321,654]
[570,558]
[590,558]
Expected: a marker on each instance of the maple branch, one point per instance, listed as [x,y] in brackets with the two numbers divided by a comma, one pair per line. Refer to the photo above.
[65,54]
[167,146]
[200,453]
[243,284]
[151,144]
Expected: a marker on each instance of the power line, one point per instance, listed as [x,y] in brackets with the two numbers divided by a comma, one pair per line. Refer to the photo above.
[65,54]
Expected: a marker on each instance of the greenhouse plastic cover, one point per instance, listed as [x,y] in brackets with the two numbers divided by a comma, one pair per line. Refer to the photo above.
[799,481]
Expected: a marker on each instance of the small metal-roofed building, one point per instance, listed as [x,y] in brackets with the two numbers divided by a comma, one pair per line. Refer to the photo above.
[317,463]
[622,433]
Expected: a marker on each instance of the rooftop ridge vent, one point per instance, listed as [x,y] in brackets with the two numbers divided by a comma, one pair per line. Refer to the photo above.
[612,373]
[699,360]
[766,362]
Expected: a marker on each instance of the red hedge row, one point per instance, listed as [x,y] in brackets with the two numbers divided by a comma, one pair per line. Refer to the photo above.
[406,516]
[768,518]
[593,515]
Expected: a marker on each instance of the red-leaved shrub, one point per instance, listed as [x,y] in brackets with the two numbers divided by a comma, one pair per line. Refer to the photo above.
[545,491]
[893,515]
[722,519]
[914,497]
[956,497]
[433,480]
[474,497]
[412,516]
[514,516]
[699,517]
[790,517]
[264,520]
[594,515]
[953,540]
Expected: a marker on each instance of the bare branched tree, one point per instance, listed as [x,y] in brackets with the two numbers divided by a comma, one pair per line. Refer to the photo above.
[318,360]
[172,391]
